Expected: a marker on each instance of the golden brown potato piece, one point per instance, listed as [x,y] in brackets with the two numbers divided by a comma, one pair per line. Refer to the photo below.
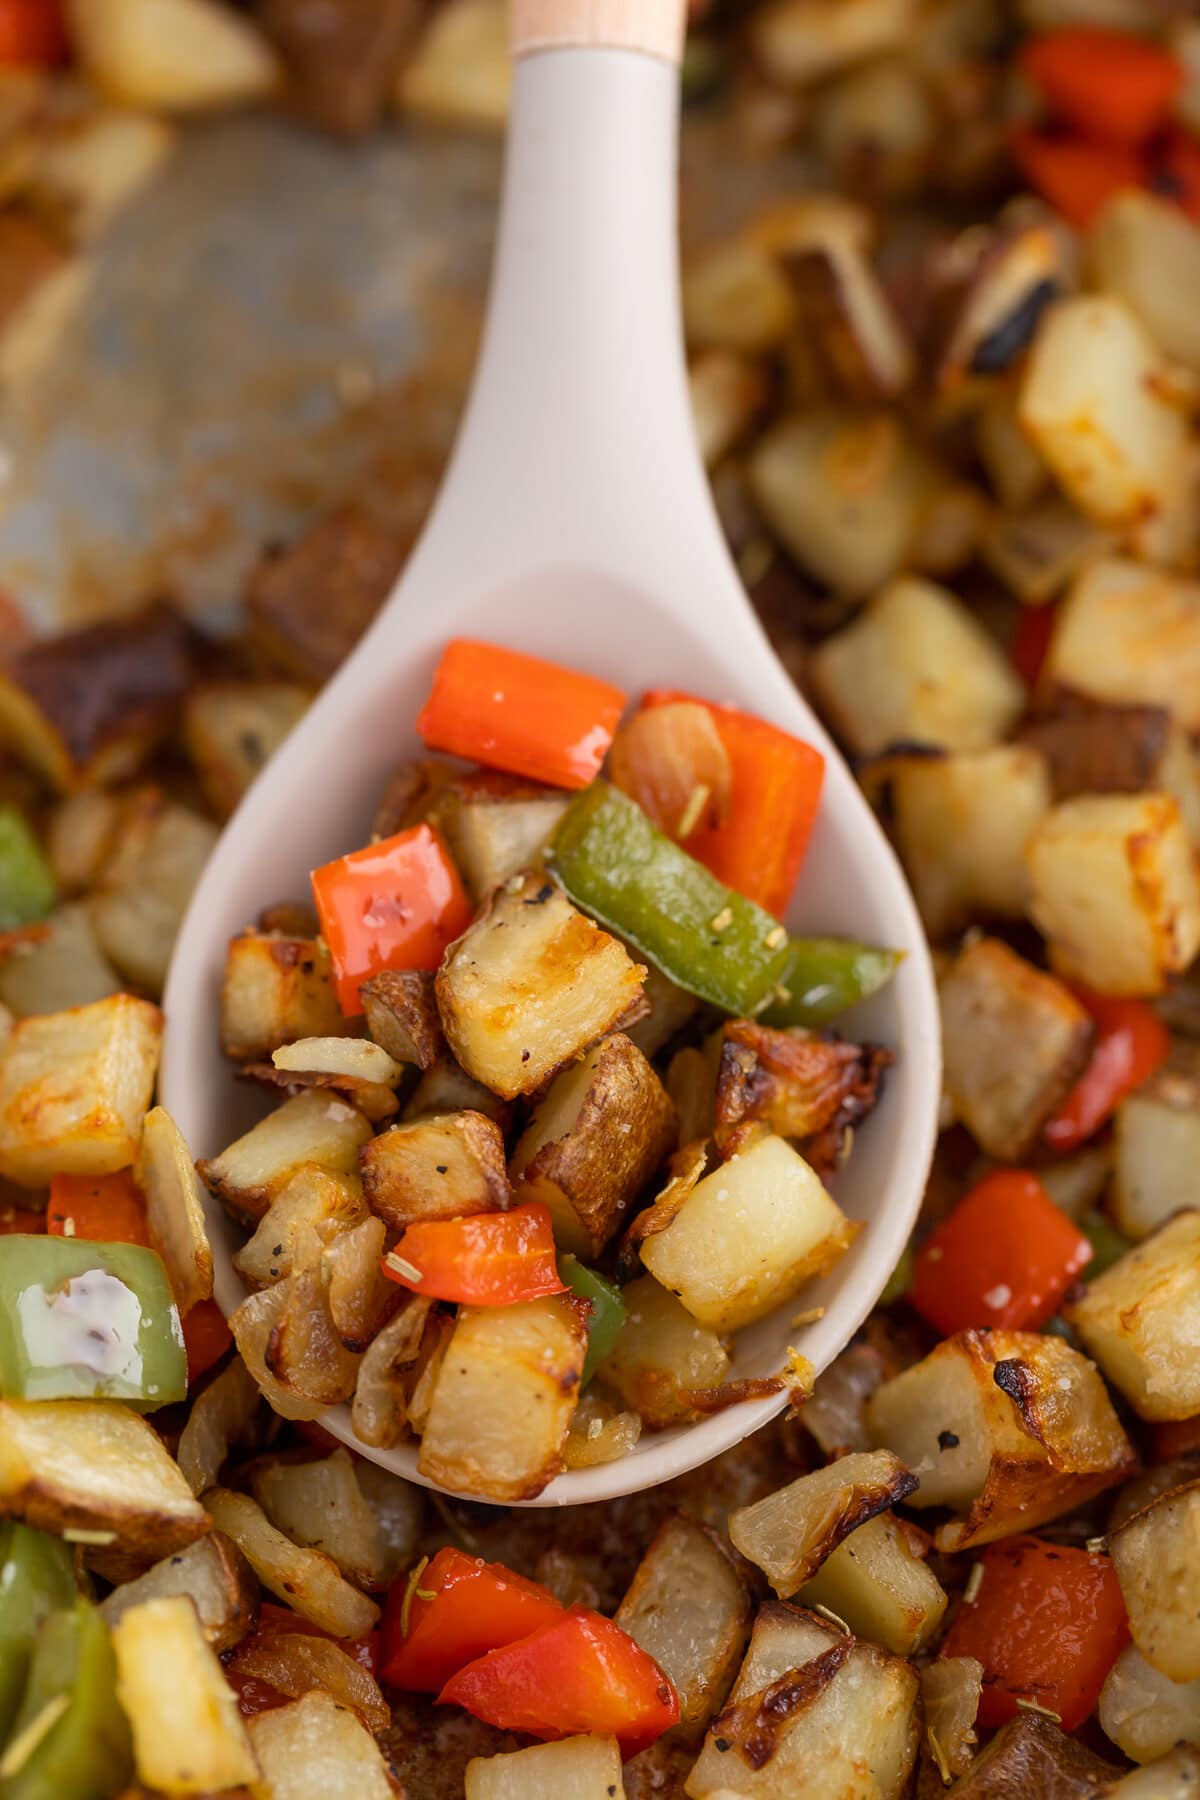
[1130,633]
[1154,1554]
[402,1015]
[311,1128]
[597,1137]
[574,1765]
[174,1209]
[232,728]
[74,1087]
[1156,1145]
[495,824]
[136,912]
[440,1167]
[88,706]
[277,988]
[661,1354]
[798,1085]
[317,1749]
[329,1203]
[1014,1039]
[1138,1319]
[213,1574]
[311,600]
[878,1581]
[530,985]
[188,1731]
[790,1533]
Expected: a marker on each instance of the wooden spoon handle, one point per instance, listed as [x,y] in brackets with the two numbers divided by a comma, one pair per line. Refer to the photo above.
[654,26]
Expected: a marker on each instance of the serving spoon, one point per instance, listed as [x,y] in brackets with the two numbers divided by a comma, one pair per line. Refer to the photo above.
[575,522]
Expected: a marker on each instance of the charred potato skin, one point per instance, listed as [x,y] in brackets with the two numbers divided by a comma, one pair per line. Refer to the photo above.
[402,1016]
[846,1493]
[311,600]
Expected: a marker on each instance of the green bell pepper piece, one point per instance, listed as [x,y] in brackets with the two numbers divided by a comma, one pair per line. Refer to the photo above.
[618,866]
[36,1578]
[1108,1244]
[85,1753]
[81,1320]
[609,1311]
[900,1279]
[823,976]
[27,890]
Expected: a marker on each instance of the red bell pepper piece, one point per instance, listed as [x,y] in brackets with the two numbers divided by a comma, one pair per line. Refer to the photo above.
[519,713]
[1031,641]
[1175,1437]
[392,905]
[1047,1623]
[453,1611]
[254,1694]
[776,789]
[206,1338]
[1110,85]
[1131,1043]
[1076,176]
[109,1209]
[1005,1256]
[581,1674]
[1176,171]
[489,1259]
[33,34]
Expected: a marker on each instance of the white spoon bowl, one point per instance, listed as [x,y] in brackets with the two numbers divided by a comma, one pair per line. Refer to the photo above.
[575,523]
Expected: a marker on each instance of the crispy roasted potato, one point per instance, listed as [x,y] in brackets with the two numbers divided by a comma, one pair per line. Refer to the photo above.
[495,825]
[1154,1554]
[573,1767]
[222,1415]
[790,1533]
[1014,1040]
[799,1085]
[688,1608]
[446,1088]
[1114,889]
[1130,634]
[174,1210]
[312,1197]
[79,837]
[213,1574]
[1138,1319]
[145,887]
[188,1733]
[1144,1712]
[277,988]
[530,985]
[402,1015]
[916,667]
[748,1236]
[320,1504]
[316,1749]
[74,1087]
[57,967]
[812,1710]
[503,1398]
[1157,1151]
[310,1128]
[306,1580]
[311,600]
[1141,250]
[99,1467]
[193,56]
[232,728]
[86,707]
[440,1167]
[878,1581]
[661,1354]
[1010,1427]
[595,1139]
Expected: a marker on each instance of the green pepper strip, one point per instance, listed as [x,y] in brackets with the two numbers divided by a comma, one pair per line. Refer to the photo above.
[900,1279]
[85,1753]
[36,1578]
[1108,1244]
[82,1320]
[609,1311]
[618,866]
[823,976]
[27,890]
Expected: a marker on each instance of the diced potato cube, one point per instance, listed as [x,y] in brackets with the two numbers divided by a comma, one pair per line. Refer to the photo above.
[277,989]
[1144,1712]
[321,1505]
[1090,401]
[96,1466]
[503,1398]
[880,1584]
[460,73]
[661,1354]
[314,1198]
[595,1140]
[173,55]
[962,824]
[315,1749]
[854,1731]
[74,1087]
[530,985]
[916,668]
[145,889]
[1146,251]
[790,1533]
[802,41]
[495,826]
[1130,633]
[1015,1426]
[1157,1144]
[310,600]
[188,1733]
[1154,1554]
[1115,891]
[1096,747]
[688,1608]
[749,1236]
[1014,1039]
[232,728]
[441,1167]
[214,1576]
[402,1015]
[576,1768]
[309,1128]
[174,1209]
[444,1087]
[736,297]
[1139,1320]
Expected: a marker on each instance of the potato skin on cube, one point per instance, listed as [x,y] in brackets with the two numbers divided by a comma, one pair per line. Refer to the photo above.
[1139,1320]
[1154,1554]
[445,1166]
[530,985]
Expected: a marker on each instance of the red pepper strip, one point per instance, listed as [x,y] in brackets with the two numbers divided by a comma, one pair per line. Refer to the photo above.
[776,789]
[33,34]
[1005,1257]
[1077,177]
[456,1609]
[581,1674]
[1110,85]
[21,1220]
[1031,641]
[393,905]
[1047,1623]
[206,1338]
[1175,1437]
[1131,1042]
[1176,172]
[254,1694]
[490,1259]
[519,713]
[109,1209]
